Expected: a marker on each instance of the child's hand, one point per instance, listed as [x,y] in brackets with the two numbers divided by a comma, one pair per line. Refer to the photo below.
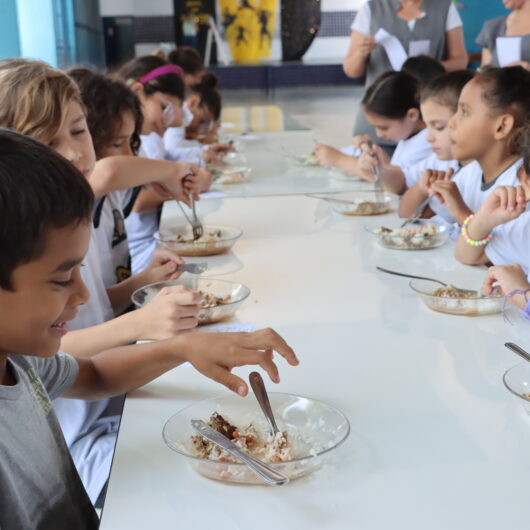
[360,139]
[163,266]
[221,148]
[370,158]
[447,192]
[327,156]
[429,176]
[214,154]
[173,310]
[173,187]
[216,354]
[508,278]
[503,204]
[197,183]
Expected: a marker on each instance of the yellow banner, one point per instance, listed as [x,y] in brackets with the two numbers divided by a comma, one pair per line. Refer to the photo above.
[249,28]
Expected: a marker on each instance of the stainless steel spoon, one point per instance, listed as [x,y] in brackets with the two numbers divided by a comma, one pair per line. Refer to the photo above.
[518,350]
[395,273]
[263,470]
[258,386]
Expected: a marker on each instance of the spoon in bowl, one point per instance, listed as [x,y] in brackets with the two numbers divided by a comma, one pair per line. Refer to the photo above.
[258,386]
[518,350]
[461,291]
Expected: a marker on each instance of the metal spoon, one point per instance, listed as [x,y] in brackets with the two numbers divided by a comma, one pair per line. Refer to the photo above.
[417,214]
[193,268]
[378,185]
[395,273]
[518,350]
[258,386]
[263,470]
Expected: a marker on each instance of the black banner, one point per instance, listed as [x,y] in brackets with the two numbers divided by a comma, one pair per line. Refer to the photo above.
[300,23]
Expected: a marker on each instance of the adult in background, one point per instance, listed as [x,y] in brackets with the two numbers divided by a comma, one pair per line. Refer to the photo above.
[436,21]
[515,24]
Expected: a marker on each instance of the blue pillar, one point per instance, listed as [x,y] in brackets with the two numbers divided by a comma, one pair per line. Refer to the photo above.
[9,43]
[36,27]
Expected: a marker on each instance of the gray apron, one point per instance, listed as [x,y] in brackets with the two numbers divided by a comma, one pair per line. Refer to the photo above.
[383,15]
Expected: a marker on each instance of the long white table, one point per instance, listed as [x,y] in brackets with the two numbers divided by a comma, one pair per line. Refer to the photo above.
[437,442]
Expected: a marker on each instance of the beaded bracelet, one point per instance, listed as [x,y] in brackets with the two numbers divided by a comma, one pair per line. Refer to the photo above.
[473,242]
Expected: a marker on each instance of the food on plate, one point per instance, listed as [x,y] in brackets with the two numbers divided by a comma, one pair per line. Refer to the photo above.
[363,207]
[208,237]
[232,175]
[264,446]
[452,292]
[418,237]
[210,300]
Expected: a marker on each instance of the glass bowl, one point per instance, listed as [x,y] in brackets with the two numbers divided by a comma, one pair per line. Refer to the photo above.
[233,175]
[472,306]
[361,203]
[206,246]
[235,159]
[314,428]
[219,288]
[421,235]
[306,160]
[517,381]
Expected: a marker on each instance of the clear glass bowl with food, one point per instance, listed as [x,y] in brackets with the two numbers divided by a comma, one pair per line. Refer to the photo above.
[221,298]
[232,175]
[361,202]
[421,235]
[215,240]
[306,160]
[311,430]
[517,381]
[452,301]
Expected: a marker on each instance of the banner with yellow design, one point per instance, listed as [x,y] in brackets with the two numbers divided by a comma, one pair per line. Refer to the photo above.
[249,28]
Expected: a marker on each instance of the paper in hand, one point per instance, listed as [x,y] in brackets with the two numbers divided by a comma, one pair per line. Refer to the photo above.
[393,48]
[508,49]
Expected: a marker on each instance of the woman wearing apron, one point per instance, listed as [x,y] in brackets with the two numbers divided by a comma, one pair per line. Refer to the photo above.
[506,40]
[432,27]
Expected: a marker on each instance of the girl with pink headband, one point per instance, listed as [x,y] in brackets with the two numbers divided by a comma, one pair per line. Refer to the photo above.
[160,89]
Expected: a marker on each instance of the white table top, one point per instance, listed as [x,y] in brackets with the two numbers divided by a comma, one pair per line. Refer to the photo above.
[274,173]
[436,443]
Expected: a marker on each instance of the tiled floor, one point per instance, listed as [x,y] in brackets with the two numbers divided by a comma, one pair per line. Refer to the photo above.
[328,111]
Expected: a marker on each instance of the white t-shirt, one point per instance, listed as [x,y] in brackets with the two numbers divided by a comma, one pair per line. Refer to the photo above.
[98,308]
[111,237]
[364,15]
[152,146]
[171,147]
[471,186]
[178,149]
[141,227]
[511,243]
[414,173]
[412,150]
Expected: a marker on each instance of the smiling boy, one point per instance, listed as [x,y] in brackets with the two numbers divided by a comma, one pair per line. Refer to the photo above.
[45,222]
